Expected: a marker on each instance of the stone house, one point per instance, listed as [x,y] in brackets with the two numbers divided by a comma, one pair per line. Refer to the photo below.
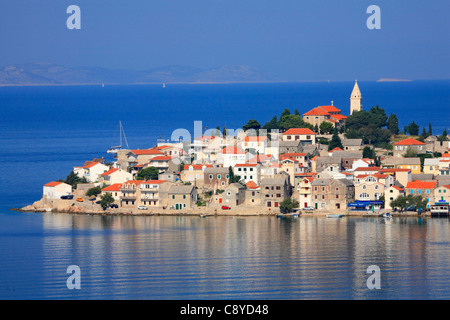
[216,178]
[182,197]
[234,195]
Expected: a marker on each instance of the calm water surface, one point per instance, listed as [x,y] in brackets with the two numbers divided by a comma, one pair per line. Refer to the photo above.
[222,257]
[45,131]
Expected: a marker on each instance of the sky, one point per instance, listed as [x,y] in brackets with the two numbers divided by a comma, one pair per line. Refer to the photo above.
[294,40]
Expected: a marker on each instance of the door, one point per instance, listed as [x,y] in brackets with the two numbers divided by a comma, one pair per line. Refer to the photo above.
[177,206]
[306,204]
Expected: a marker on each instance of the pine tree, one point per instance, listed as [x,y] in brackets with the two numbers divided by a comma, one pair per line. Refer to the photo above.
[392,124]
[335,141]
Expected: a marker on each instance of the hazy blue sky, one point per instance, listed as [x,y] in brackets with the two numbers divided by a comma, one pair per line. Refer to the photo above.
[293,39]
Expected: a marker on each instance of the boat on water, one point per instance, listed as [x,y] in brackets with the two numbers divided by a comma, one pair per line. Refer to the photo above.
[334,215]
[115,149]
[387,215]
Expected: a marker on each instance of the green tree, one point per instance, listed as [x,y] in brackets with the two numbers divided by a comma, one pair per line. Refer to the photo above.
[251,124]
[316,128]
[335,141]
[149,173]
[392,124]
[272,124]
[412,129]
[106,200]
[293,121]
[288,205]
[410,153]
[369,153]
[231,177]
[296,112]
[326,127]
[285,112]
[94,191]
[378,117]
[73,179]
[430,130]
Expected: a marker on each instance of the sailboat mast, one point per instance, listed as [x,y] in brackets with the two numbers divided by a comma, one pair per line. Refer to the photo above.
[124,136]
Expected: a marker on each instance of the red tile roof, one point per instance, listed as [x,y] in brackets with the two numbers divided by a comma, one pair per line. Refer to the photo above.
[90,165]
[368,169]
[446,155]
[409,142]
[255,138]
[338,116]
[252,185]
[336,149]
[260,158]
[53,184]
[394,170]
[232,150]
[299,131]
[146,152]
[417,184]
[398,188]
[154,181]
[329,108]
[246,165]
[161,158]
[110,171]
[316,112]
[113,187]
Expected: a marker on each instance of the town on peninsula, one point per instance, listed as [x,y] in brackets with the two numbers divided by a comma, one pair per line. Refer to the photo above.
[321,162]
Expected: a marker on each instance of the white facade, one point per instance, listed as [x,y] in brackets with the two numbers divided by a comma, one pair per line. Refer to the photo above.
[248,172]
[54,190]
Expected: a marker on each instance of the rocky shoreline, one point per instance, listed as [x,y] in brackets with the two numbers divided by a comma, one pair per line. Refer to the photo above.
[70,207]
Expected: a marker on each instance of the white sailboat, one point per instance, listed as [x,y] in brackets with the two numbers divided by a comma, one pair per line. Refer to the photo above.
[114,149]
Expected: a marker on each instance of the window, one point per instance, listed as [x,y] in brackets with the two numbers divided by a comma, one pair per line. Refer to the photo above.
[228,176]
[219,176]
[210,176]
[173,196]
[184,196]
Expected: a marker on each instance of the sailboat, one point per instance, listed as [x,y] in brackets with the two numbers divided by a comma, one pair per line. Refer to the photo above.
[164,85]
[114,149]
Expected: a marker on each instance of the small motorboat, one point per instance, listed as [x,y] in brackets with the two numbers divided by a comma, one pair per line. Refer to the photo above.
[334,215]
[387,215]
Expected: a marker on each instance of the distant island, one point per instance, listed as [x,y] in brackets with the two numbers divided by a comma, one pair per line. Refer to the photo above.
[53,74]
[392,80]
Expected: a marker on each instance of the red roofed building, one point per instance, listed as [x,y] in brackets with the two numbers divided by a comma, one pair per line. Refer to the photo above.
[424,189]
[55,189]
[230,156]
[248,172]
[254,143]
[115,176]
[401,147]
[304,135]
[113,190]
[324,113]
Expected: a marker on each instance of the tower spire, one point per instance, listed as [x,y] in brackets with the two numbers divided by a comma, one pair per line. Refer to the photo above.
[355,99]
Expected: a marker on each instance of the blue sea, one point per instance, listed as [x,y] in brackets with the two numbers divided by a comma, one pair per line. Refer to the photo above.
[45,131]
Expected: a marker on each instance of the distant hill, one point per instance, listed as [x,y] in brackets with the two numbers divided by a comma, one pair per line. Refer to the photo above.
[53,74]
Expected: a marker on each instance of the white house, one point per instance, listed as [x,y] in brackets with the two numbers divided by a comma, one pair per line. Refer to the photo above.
[91,171]
[115,175]
[256,144]
[305,135]
[231,156]
[54,190]
[248,172]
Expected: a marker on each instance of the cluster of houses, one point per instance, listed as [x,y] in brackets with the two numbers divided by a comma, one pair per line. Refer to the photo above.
[258,172]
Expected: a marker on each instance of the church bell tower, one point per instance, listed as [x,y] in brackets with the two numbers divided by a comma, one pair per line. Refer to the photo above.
[355,99]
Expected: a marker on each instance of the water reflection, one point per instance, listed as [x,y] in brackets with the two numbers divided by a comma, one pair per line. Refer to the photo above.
[245,258]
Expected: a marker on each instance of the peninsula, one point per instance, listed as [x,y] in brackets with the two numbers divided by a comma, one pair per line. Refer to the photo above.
[320,162]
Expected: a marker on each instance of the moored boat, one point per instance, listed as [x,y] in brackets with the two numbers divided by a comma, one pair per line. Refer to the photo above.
[334,215]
